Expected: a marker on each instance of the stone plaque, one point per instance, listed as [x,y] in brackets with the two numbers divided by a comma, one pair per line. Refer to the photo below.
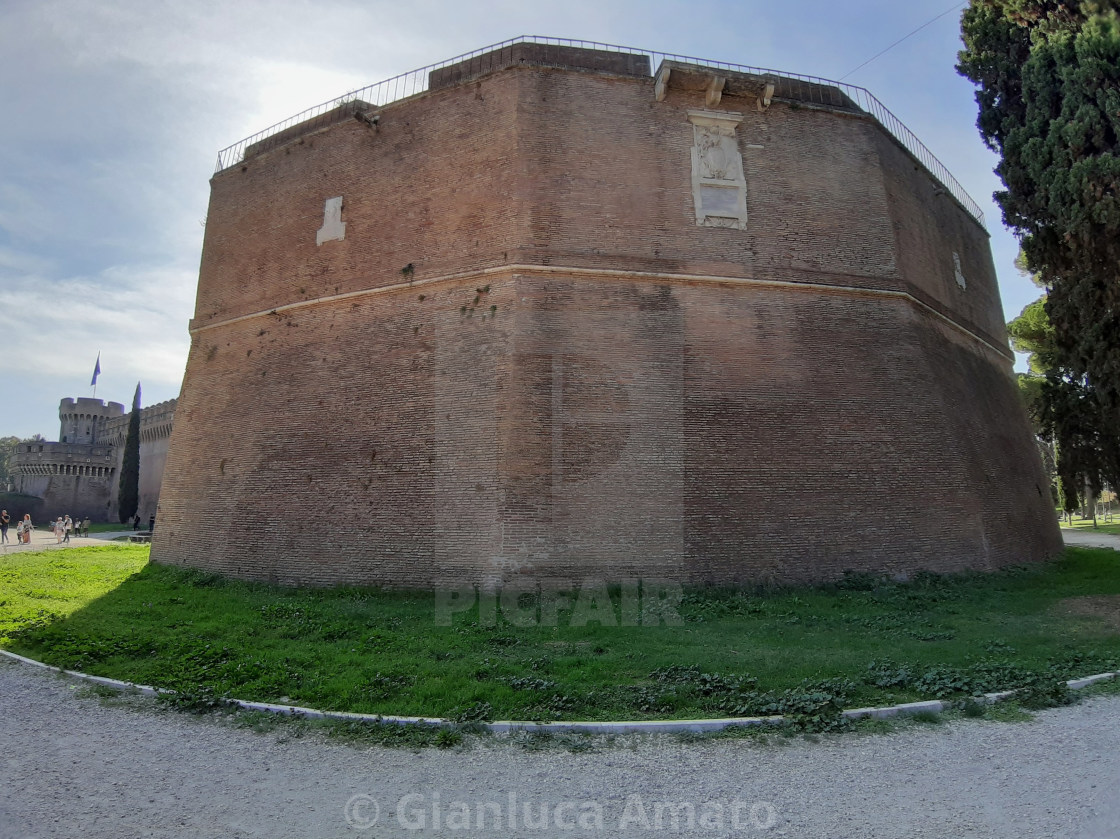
[719,187]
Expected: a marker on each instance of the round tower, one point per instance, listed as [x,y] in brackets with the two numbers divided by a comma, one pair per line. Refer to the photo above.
[563,314]
[81,420]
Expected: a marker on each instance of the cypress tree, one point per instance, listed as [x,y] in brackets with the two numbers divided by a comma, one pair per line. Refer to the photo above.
[1048,73]
[128,495]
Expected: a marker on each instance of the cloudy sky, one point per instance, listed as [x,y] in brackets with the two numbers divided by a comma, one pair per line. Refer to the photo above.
[113,112]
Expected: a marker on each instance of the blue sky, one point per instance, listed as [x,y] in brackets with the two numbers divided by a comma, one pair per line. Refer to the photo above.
[114,110]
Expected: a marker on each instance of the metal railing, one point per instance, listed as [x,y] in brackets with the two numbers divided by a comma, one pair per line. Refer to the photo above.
[794,85]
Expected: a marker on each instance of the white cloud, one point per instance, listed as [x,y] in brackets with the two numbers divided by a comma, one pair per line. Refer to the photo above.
[135,318]
[115,110]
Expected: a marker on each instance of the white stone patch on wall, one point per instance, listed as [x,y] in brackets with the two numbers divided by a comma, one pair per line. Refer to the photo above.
[719,187]
[957,271]
[333,225]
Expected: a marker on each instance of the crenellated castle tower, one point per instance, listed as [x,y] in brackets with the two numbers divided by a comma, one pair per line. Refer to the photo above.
[79,475]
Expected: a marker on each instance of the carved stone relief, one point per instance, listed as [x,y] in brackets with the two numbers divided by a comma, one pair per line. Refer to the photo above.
[719,187]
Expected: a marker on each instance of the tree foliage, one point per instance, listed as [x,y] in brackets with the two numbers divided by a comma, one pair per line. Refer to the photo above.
[1065,410]
[128,495]
[7,449]
[1048,73]
[1032,333]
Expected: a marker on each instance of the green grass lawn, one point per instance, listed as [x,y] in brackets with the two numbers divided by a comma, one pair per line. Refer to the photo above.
[1079,523]
[106,611]
[109,527]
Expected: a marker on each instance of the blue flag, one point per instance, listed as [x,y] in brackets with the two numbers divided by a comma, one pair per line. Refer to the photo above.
[96,370]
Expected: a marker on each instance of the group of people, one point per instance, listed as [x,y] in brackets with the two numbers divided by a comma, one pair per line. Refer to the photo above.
[23,529]
[63,526]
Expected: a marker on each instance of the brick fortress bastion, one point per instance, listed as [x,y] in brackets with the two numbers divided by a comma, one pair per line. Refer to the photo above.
[560,316]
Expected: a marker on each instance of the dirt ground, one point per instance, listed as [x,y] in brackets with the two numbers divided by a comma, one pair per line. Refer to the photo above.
[74,765]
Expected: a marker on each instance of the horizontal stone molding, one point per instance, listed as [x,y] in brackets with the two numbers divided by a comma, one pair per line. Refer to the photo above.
[608,273]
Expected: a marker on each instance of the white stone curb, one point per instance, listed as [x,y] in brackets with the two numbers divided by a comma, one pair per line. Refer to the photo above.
[934,706]
[115,684]
[1077,684]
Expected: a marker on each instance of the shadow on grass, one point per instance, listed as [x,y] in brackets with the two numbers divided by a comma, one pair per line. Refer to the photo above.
[804,652]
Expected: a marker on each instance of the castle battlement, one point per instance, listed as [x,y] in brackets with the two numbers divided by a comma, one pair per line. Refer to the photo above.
[79,474]
[155,423]
[92,460]
[83,420]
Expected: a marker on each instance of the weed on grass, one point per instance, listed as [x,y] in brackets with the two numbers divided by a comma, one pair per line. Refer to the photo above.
[262,722]
[412,736]
[95,690]
[536,740]
[804,653]
[106,696]
[1106,687]
[972,708]
[873,725]
[1008,711]
[353,732]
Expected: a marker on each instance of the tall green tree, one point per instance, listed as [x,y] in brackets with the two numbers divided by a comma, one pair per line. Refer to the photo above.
[1048,73]
[7,449]
[128,495]
[1031,333]
[1065,411]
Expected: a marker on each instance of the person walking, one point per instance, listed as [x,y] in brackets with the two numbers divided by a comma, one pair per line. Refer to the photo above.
[59,529]
[85,527]
[27,528]
[67,526]
[5,520]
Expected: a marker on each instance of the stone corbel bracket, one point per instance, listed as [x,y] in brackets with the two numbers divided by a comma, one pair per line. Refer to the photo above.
[763,101]
[713,83]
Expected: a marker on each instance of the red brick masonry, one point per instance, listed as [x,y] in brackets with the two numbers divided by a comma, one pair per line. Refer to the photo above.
[526,358]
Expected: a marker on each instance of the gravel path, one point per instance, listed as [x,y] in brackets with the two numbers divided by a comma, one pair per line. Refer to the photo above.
[44,540]
[1090,539]
[71,766]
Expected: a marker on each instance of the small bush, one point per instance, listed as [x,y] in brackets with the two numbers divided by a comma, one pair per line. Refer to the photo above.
[1044,692]
[972,708]
[887,674]
[812,706]
[530,683]
[448,738]
[199,700]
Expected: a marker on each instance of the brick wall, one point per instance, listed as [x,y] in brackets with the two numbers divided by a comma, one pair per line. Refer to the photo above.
[654,398]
